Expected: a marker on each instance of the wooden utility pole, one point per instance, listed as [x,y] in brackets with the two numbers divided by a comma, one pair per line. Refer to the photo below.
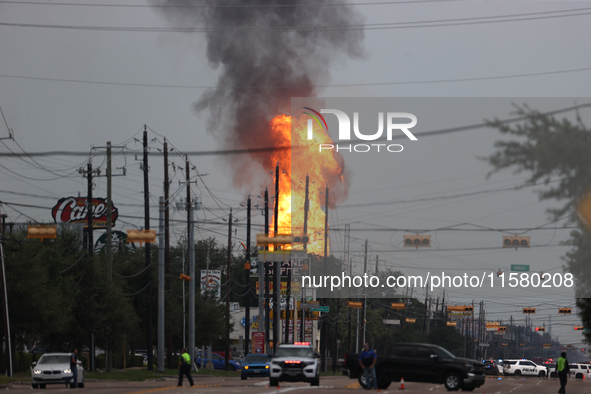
[169,360]
[247,282]
[148,274]
[324,333]
[228,286]
[267,274]
[277,270]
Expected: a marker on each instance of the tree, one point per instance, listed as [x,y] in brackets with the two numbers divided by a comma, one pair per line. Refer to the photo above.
[555,152]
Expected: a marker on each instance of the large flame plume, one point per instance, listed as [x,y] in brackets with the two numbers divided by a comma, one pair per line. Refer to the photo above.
[322,168]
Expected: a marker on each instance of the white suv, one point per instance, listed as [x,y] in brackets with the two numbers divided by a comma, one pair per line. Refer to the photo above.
[523,367]
[294,363]
[580,371]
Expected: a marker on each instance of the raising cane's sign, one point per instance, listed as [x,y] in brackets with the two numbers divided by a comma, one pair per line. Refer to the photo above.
[74,210]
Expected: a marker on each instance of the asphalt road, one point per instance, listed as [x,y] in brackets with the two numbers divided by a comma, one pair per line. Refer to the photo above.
[203,385]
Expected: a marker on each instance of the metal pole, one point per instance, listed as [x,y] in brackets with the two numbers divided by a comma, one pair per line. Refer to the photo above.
[148,257]
[324,334]
[306,209]
[109,248]
[161,279]
[364,295]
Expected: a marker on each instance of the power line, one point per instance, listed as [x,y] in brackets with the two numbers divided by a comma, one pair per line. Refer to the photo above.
[374,26]
[315,4]
[344,85]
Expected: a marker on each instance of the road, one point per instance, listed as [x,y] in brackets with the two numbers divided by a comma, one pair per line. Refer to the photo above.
[204,385]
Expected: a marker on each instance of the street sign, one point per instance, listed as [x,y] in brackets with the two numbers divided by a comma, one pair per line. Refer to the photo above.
[308,305]
[484,345]
[520,267]
[410,320]
[391,321]
[320,309]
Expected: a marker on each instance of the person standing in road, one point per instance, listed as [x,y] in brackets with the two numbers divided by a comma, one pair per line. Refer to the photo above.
[185,368]
[367,361]
[562,370]
[74,368]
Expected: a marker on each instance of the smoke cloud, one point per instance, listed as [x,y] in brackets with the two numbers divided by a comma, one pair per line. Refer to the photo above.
[267,51]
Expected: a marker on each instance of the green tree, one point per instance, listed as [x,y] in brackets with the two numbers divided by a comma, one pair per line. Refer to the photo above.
[554,152]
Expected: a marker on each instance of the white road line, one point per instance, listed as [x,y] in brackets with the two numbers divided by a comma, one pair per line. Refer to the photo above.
[515,388]
[263,383]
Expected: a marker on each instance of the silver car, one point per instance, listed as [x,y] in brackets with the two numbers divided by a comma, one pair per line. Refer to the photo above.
[54,368]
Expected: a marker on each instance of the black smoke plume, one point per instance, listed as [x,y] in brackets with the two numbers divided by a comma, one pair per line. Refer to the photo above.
[268,51]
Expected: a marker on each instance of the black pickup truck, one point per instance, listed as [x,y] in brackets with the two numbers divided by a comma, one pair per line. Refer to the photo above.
[420,362]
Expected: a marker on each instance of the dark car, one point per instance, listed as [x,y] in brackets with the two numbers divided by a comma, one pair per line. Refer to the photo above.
[421,362]
[490,367]
[255,365]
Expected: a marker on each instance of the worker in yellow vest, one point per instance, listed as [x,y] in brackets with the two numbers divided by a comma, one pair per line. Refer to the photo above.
[185,368]
[562,370]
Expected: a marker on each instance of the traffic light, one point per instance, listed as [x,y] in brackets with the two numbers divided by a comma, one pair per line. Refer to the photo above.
[515,241]
[184,277]
[141,236]
[417,240]
[398,305]
[540,328]
[278,239]
[460,308]
[41,232]
[529,310]
[299,239]
[564,310]
[579,328]
[354,304]
[502,329]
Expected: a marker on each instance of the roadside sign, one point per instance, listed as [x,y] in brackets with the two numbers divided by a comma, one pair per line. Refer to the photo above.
[391,321]
[520,267]
[320,309]
[308,305]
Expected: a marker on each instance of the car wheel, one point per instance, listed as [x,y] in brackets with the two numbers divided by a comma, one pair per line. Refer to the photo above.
[383,380]
[273,382]
[33,385]
[579,376]
[518,373]
[81,385]
[242,377]
[42,386]
[542,374]
[452,381]
[316,381]
[362,382]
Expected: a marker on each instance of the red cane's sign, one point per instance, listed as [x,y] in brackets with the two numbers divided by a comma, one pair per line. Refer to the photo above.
[74,210]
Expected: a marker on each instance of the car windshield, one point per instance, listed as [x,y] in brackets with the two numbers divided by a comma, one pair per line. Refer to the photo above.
[444,353]
[54,359]
[256,359]
[294,352]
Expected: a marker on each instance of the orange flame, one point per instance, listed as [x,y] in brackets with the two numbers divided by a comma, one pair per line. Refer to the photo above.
[323,168]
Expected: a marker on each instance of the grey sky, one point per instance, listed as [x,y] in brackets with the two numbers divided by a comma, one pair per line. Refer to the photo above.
[74,116]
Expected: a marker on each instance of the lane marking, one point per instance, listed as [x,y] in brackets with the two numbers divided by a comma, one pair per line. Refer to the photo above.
[172,388]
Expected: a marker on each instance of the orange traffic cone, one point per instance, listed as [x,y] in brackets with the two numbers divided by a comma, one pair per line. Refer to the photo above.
[401,387]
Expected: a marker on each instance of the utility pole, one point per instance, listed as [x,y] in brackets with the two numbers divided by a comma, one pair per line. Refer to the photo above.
[169,360]
[306,209]
[109,248]
[324,334]
[267,280]
[161,279]
[147,251]
[7,334]
[364,306]
[347,258]
[277,268]
[228,276]
[247,282]
[191,252]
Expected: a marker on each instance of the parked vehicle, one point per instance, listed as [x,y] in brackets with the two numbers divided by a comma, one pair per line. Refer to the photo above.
[255,365]
[490,367]
[218,363]
[523,367]
[579,371]
[54,368]
[421,362]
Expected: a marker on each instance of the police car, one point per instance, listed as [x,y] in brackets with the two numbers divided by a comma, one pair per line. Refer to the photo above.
[523,367]
[294,363]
